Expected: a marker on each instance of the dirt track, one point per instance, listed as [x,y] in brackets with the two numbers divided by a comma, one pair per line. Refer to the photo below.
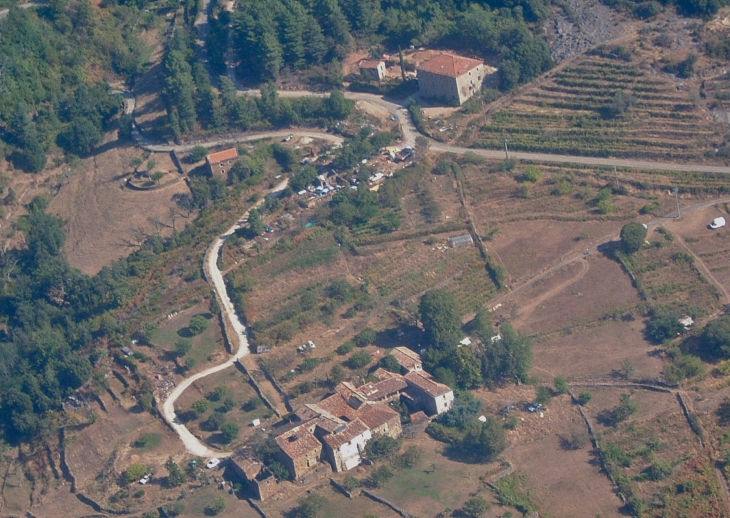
[215,278]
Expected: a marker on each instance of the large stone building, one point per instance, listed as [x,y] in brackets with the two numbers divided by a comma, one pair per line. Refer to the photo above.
[451,78]
[260,480]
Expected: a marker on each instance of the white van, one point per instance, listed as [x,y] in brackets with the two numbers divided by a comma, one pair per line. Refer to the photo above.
[717,223]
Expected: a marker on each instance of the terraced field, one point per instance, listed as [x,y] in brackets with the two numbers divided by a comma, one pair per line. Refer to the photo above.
[604,108]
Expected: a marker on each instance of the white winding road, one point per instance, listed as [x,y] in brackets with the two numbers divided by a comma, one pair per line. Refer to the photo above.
[215,278]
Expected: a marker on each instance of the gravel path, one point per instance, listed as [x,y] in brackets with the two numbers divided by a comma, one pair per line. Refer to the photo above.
[215,279]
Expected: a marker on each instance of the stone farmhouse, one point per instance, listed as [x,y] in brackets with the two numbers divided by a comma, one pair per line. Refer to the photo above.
[337,428]
[451,78]
[374,70]
[260,480]
[222,161]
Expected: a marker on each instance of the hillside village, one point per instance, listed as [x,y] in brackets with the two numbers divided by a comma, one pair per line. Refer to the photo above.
[503,225]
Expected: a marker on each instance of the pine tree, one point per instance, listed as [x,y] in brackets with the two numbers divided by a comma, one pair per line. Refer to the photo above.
[314,41]
[292,38]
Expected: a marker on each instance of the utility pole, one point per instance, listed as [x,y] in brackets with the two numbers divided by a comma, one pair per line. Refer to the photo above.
[676,196]
[506,152]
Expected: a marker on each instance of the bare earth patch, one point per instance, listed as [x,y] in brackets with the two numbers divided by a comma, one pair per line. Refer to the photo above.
[105,220]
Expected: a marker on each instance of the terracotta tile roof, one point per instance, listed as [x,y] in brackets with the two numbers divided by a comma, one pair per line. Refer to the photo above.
[426,384]
[304,414]
[365,63]
[375,416]
[297,442]
[383,389]
[407,359]
[419,417]
[328,425]
[347,433]
[222,156]
[449,65]
[383,374]
[337,405]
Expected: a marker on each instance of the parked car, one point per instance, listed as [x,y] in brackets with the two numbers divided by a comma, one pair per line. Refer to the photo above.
[212,463]
[717,223]
[145,479]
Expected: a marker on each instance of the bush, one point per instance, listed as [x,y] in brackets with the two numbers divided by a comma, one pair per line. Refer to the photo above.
[230,432]
[365,337]
[198,324]
[543,395]
[382,447]
[216,507]
[135,472]
[532,174]
[359,360]
[252,404]
[351,483]
[309,364]
[561,384]
[633,236]
[380,476]
[345,348]
[201,406]
[584,398]
[476,507]
[389,363]
[197,154]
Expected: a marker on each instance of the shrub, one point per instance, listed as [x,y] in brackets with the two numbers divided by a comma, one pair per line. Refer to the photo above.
[359,360]
[351,483]
[197,154]
[309,364]
[252,404]
[543,395]
[561,384]
[135,472]
[380,476]
[633,236]
[389,363]
[345,348]
[532,174]
[201,406]
[584,398]
[476,507]
[198,324]
[365,337]
[230,432]
[382,447]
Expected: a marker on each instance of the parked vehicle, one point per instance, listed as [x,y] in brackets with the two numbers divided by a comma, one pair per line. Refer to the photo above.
[717,223]
[145,479]
[212,463]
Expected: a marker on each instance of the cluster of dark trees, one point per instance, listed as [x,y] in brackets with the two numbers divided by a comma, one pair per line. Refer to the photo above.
[469,437]
[53,313]
[494,361]
[646,9]
[192,102]
[46,99]
[271,36]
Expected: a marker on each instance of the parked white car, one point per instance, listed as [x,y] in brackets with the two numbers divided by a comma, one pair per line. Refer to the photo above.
[145,479]
[212,463]
[717,223]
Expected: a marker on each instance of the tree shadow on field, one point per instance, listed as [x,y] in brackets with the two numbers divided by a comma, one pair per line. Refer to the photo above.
[609,249]
[185,332]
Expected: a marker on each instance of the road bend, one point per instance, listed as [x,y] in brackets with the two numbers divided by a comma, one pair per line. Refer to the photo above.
[215,279]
